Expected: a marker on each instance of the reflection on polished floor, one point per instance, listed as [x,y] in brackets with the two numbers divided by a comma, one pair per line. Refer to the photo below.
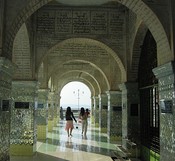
[59,147]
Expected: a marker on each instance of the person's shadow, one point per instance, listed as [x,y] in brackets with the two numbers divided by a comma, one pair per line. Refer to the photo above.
[36,157]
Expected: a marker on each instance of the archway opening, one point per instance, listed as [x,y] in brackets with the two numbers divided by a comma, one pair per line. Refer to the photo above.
[76,95]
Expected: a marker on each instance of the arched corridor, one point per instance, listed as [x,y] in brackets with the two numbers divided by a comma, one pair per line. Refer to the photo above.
[122,50]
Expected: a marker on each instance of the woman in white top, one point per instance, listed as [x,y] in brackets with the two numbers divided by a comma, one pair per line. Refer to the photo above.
[83,117]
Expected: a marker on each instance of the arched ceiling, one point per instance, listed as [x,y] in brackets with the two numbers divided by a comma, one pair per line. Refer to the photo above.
[85,49]
[81,67]
[83,74]
[88,50]
[89,58]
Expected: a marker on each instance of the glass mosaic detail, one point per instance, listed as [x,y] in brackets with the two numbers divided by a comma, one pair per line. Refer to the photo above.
[41,116]
[4,135]
[22,126]
[50,112]
[55,111]
[116,122]
[97,116]
[104,118]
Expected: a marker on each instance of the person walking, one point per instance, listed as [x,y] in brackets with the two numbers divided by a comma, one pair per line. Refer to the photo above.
[61,113]
[69,121]
[83,117]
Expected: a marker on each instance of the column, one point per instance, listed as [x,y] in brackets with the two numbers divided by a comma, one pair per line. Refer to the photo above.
[114,121]
[42,114]
[166,84]
[56,109]
[60,112]
[99,111]
[51,112]
[96,111]
[6,71]
[23,119]
[130,116]
[92,116]
[103,111]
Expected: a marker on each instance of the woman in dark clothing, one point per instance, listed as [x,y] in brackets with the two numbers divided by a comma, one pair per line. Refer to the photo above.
[69,121]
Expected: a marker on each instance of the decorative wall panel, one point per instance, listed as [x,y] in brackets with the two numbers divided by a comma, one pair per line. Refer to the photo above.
[53,23]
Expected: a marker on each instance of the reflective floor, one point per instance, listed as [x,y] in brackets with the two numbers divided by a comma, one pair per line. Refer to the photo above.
[59,147]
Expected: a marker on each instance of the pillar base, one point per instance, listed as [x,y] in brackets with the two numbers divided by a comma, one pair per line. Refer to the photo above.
[41,132]
[92,119]
[97,125]
[22,149]
[55,121]
[104,130]
[115,138]
[50,125]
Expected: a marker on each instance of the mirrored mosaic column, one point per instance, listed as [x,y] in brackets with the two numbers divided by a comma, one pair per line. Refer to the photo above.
[130,113]
[114,121]
[42,114]
[99,110]
[56,109]
[96,110]
[104,107]
[51,111]
[58,105]
[92,112]
[166,85]
[23,118]
[6,71]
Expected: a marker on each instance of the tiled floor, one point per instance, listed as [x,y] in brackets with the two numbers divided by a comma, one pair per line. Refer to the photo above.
[60,147]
